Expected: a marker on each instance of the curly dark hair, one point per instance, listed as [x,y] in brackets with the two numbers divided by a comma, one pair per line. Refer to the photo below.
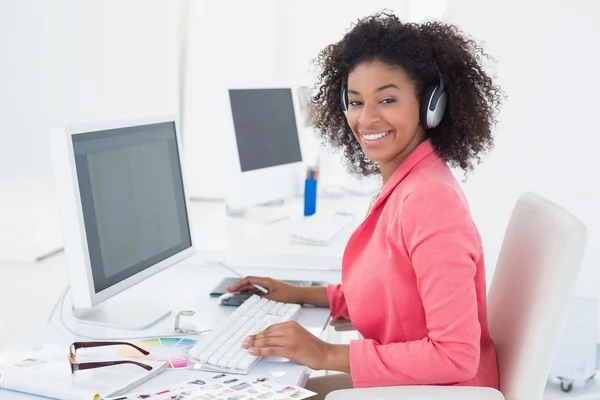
[473,100]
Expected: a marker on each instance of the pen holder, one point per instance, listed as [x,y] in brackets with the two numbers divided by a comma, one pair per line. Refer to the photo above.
[310,197]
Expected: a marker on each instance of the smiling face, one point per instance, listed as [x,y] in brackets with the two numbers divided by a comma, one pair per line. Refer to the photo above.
[383,112]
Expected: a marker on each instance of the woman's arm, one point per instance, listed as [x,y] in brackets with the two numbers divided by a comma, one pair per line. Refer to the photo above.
[317,296]
[331,296]
[337,358]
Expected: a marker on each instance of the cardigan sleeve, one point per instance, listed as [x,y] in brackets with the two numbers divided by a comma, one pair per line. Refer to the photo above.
[444,246]
[337,301]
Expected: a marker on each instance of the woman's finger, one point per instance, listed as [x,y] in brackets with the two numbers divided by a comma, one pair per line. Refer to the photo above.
[265,342]
[236,287]
[273,330]
[246,289]
[268,351]
[248,282]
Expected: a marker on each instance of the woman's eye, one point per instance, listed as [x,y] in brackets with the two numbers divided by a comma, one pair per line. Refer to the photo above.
[389,101]
[355,103]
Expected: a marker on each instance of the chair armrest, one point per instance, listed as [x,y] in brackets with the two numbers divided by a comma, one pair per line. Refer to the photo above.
[418,393]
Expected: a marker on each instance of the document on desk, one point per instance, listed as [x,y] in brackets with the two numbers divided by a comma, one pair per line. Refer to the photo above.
[223,387]
[48,373]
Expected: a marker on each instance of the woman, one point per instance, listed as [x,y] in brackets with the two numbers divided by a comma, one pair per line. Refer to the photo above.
[413,273]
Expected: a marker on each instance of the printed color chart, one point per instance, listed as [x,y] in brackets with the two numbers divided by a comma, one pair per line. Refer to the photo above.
[172,350]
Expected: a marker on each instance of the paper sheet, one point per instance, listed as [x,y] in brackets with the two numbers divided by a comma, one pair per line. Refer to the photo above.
[224,387]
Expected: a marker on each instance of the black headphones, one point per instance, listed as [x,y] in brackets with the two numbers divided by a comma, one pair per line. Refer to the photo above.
[431,110]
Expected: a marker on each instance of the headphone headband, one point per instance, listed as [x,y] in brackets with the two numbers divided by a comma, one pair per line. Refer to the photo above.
[441,78]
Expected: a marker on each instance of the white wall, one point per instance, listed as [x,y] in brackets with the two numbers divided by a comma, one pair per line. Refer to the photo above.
[229,43]
[261,42]
[547,140]
[25,212]
[422,10]
[64,62]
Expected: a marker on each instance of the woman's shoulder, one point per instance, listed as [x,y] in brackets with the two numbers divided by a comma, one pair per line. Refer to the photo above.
[431,185]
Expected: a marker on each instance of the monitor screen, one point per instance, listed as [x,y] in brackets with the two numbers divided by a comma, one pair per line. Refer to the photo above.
[265,127]
[132,198]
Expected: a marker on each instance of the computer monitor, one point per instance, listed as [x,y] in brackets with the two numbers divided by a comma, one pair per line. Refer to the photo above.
[268,156]
[124,212]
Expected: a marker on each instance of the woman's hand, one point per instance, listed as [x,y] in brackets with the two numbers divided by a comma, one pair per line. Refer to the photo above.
[278,290]
[290,340]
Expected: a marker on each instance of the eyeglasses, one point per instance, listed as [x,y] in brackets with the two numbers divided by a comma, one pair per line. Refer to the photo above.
[75,366]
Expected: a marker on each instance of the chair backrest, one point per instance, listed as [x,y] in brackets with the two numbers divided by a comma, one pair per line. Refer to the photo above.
[529,296]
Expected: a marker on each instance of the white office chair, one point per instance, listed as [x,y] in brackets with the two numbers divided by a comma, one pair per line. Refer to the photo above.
[528,300]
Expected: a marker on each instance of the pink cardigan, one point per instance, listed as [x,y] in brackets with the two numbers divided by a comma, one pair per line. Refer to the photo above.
[413,284]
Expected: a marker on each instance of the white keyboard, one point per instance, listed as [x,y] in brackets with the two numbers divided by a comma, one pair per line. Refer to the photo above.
[221,350]
[320,229]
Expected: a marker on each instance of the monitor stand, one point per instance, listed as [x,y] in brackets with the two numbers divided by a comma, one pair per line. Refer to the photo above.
[129,315]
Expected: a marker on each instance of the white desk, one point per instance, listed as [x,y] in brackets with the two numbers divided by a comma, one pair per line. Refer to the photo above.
[183,287]
[244,242]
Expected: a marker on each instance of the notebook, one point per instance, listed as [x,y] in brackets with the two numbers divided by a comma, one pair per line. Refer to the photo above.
[46,372]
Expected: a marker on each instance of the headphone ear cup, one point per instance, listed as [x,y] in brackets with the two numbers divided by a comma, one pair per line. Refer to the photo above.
[344,100]
[439,110]
[424,107]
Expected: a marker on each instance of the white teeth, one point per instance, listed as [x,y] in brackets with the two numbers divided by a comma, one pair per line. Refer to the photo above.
[375,136]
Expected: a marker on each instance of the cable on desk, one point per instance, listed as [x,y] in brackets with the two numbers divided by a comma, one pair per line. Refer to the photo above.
[59,301]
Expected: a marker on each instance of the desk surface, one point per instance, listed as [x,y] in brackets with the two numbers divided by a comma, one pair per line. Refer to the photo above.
[246,242]
[183,287]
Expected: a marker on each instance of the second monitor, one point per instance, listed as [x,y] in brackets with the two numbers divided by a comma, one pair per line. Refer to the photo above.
[269,156]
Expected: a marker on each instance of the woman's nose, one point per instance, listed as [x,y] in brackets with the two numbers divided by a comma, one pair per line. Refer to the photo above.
[368,115]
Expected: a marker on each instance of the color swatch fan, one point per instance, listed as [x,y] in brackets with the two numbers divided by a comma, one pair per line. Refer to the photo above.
[171,350]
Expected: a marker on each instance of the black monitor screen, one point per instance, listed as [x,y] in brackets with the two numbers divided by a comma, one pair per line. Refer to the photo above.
[265,127]
[132,198]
